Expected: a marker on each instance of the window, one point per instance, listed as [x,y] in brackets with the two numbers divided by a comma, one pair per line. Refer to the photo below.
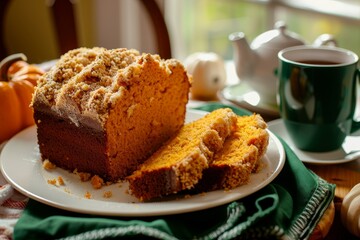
[204,25]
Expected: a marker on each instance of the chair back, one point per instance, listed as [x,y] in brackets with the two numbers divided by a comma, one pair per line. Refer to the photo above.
[63,16]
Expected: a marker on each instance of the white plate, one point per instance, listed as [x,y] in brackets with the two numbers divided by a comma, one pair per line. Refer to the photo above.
[22,167]
[243,95]
[331,157]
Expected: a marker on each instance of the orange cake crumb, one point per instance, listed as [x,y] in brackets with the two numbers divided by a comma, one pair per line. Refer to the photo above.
[87,195]
[84,177]
[51,181]
[47,165]
[97,182]
[61,181]
[107,194]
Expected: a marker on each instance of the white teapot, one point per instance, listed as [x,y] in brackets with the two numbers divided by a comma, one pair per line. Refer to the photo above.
[257,63]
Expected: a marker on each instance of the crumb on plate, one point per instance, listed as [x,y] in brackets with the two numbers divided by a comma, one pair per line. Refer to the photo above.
[60,181]
[84,177]
[51,181]
[107,194]
[47,165]
[97,182]
[87,195]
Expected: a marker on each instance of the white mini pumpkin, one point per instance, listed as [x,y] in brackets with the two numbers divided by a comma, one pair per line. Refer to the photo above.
[350,210]
[208,74]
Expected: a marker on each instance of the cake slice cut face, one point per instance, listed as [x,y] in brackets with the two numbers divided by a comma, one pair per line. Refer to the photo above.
[105,111]
[179,163]
[240,156]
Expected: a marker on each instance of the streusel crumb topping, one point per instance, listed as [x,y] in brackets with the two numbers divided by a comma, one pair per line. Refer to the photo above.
[89,81]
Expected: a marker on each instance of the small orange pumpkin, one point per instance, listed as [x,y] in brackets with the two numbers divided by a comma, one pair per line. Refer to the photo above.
[17,81]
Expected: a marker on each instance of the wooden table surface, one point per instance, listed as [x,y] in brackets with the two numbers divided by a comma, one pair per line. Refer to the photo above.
[345,176]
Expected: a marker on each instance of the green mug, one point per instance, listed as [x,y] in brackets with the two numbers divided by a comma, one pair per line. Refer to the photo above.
[317,95]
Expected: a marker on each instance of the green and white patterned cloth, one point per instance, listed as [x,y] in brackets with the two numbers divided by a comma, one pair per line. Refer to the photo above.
[288,208]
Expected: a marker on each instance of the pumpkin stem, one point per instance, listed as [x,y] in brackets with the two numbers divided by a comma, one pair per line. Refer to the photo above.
[7,62]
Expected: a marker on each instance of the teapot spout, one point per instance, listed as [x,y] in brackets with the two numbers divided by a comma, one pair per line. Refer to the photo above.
[243,54]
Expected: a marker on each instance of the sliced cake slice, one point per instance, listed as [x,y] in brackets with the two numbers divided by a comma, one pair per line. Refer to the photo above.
[180,162]
[234,163]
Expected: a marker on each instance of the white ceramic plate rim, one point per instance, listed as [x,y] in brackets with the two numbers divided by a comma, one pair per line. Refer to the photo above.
[332,157]
[22,168]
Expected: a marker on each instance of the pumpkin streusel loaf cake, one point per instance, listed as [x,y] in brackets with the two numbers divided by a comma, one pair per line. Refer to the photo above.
[234,163]
[105,111]
[179,163]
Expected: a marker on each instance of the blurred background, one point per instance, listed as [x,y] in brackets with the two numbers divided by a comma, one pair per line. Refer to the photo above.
[193,25]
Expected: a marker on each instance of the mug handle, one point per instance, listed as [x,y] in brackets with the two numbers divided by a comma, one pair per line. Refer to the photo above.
[356,124]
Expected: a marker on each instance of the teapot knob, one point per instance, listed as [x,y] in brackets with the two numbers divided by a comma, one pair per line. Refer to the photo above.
[281,26]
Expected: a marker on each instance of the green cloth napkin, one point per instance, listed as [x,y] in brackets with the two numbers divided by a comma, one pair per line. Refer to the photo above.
[290,206]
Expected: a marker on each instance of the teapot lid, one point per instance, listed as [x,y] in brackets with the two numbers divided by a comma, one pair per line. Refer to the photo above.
[277,38]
